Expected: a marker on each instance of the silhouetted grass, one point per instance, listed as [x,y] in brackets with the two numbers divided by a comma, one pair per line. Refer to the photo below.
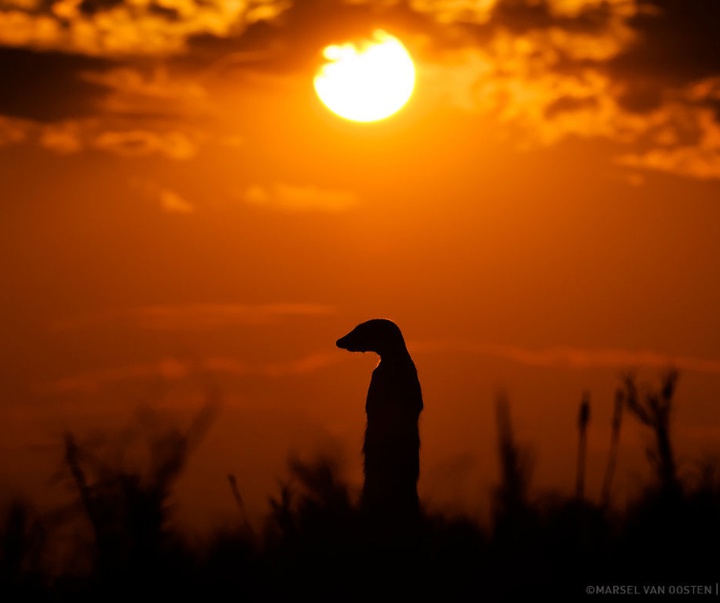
[614,447]
[583,420]
[317,543]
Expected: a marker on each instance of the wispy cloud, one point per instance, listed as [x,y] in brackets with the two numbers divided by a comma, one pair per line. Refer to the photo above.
[63,138]
[573,357]
[96,134]
[168,199]
[168,369]
[196,316]
[299,366]
[131,90]
[173,203]
[173,370]
[12,131]
[299,198]
[687,143]
[135,143]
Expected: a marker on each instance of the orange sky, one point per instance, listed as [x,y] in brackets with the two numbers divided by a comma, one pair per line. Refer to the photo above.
[179,209]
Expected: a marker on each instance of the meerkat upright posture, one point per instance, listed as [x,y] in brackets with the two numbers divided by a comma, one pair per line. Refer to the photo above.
[391,448]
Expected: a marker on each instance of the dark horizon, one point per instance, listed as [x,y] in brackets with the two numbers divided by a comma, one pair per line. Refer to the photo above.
[117,531]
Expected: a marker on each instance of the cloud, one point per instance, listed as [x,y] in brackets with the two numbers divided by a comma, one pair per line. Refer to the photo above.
[73,104]
[450,11]
[541,65]
[560,69]
[547,106]
[168,199]
[171,202]
[172,369]
[75,136]
[299,198]
[137,92]
[167,369]
[676,46]
[192,317]
[63,138]
[137,143]
[684,161]
[196,316]
[544,69]
[574,357]
[122,28]
[12,131]
[298,366]
[688,144]
[48,86]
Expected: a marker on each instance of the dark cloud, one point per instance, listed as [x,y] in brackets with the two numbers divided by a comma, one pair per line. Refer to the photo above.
[678,43]
[567,104]
[520,16]
[92,7]
[48,86]
[293,40]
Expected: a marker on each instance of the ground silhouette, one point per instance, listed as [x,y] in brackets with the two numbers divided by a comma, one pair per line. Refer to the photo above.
[117,538]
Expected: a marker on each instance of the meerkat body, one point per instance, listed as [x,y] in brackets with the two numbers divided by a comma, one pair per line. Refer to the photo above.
[391,449]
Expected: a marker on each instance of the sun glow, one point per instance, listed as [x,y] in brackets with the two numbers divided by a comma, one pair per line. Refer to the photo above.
[367,83]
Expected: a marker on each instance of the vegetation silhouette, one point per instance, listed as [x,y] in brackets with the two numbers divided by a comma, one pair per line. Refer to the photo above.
[653,408]
[614,448]
[117,539]
[583,420]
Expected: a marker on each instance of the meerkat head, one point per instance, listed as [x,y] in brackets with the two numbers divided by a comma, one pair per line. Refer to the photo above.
[378,335]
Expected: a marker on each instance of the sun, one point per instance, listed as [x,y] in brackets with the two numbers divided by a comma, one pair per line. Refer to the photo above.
[366,83]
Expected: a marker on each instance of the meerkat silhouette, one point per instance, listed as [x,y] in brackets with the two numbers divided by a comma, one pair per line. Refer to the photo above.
[391,448]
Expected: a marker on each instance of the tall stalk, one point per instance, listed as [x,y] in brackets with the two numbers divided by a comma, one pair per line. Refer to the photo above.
[583,421]
[614,447]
